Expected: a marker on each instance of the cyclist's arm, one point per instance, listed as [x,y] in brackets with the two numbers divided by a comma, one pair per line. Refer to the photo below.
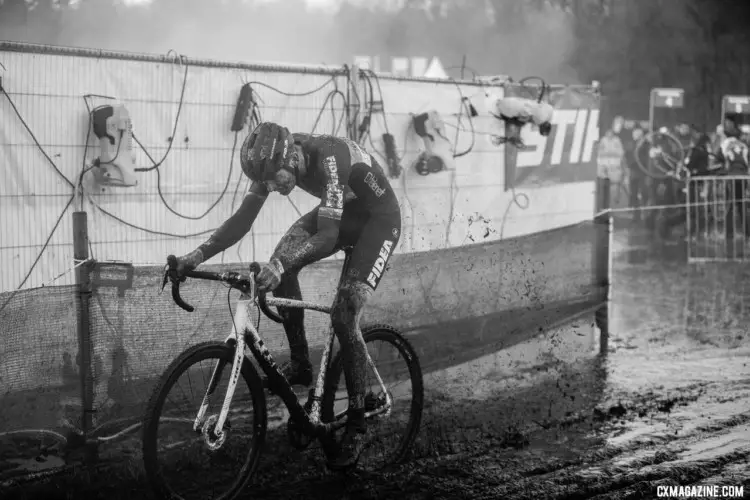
[322,243]
[238,225]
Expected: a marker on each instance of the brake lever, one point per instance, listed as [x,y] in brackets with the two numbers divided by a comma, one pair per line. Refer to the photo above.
[165,280]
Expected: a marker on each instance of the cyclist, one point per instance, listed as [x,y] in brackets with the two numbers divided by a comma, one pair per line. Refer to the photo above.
[358,208]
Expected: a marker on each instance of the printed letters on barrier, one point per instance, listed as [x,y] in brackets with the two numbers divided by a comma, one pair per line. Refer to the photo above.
[568,154]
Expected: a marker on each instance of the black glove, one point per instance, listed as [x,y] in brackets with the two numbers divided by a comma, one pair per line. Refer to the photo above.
[270,275]
[190,261]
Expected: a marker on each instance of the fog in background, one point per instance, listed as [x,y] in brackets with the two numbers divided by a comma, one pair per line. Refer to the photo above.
[497,36]
[630,46]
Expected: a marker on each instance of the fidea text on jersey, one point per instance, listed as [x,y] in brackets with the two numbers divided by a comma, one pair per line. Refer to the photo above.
[573,139]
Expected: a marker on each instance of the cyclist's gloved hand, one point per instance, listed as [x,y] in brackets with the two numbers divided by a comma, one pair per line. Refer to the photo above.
[269,276]
[190,261]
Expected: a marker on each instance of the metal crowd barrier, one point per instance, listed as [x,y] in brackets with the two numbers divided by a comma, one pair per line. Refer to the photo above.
[718,222]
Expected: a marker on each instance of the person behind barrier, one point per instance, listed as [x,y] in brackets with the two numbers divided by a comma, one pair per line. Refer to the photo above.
[358,208]
[732,157]
[610,158]
[732,152]
[732,125]
[637,186]
[698,163]
[516,112]
[674,194]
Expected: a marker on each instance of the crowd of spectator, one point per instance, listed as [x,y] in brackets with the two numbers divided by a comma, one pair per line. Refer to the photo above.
[621,157]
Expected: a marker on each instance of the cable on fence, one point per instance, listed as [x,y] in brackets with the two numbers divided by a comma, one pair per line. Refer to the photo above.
[62,214]
[33,137]
[369,76]
[79,186]
[67,271]
[464,107]
[41,252]
[156,165]
[255,118]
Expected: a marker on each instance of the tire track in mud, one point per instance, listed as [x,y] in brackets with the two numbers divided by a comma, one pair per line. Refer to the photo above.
[711,452]
[622,447]
[703,450]
[499,430]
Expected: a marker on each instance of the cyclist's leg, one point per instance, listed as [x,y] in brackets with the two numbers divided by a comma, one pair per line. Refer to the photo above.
[299,370]
[377,241]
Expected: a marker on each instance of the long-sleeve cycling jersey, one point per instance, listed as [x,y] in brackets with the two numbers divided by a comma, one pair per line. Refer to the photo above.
[338,171]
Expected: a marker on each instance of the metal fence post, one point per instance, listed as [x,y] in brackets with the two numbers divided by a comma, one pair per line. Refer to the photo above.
[83,297]
[354,103]
[603,229]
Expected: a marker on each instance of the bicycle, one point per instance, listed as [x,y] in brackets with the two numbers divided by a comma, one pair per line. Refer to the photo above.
[315,419]
[665,152]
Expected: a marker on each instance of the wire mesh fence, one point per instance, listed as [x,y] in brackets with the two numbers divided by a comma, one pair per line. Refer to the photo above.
[135,330]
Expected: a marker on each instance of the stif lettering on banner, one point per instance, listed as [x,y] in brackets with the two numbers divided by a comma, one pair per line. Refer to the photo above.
[575,133]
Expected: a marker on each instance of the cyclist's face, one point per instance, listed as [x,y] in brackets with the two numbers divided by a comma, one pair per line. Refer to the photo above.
[283,182]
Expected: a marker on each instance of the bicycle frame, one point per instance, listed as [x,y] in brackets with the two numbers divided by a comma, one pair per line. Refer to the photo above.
[250,338]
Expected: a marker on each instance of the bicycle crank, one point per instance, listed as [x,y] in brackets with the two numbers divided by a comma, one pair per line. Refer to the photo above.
[297,438]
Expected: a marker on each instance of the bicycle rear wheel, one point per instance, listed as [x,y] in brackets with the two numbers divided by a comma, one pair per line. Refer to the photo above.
[390,435]
[178,460]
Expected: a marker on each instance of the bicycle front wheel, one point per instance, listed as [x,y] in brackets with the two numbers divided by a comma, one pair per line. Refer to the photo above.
[390,434]
[185,461]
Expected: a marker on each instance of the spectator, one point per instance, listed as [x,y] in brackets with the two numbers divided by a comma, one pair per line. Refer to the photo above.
[731,125]
[637,177]
[745,137]
[698,157]
[735,162]
[609,156]
[684,134]
[698,162]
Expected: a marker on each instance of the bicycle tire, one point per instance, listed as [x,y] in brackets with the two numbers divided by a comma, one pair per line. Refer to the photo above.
[391,335]
[658,172]
[206,350]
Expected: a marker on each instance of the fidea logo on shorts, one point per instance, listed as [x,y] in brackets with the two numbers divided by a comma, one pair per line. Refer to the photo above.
[573,140]
[377,269]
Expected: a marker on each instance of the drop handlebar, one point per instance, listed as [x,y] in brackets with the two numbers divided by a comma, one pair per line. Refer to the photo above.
[242,282]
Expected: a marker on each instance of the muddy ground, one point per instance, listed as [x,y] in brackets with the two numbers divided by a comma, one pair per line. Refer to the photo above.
[665,402]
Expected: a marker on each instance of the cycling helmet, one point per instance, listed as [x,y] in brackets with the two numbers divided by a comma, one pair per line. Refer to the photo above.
[266,150]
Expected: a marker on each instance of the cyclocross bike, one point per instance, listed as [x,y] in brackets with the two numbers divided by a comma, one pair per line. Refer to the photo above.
[218,433]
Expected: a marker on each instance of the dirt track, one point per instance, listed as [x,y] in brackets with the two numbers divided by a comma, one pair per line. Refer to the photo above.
[667,404]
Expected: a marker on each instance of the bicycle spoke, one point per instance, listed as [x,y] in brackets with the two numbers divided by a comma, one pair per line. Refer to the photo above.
[393,406]
[189,461]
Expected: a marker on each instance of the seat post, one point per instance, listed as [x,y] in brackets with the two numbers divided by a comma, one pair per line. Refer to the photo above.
[347,258]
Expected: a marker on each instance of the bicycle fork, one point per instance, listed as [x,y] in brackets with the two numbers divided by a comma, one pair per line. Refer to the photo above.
[237,339]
